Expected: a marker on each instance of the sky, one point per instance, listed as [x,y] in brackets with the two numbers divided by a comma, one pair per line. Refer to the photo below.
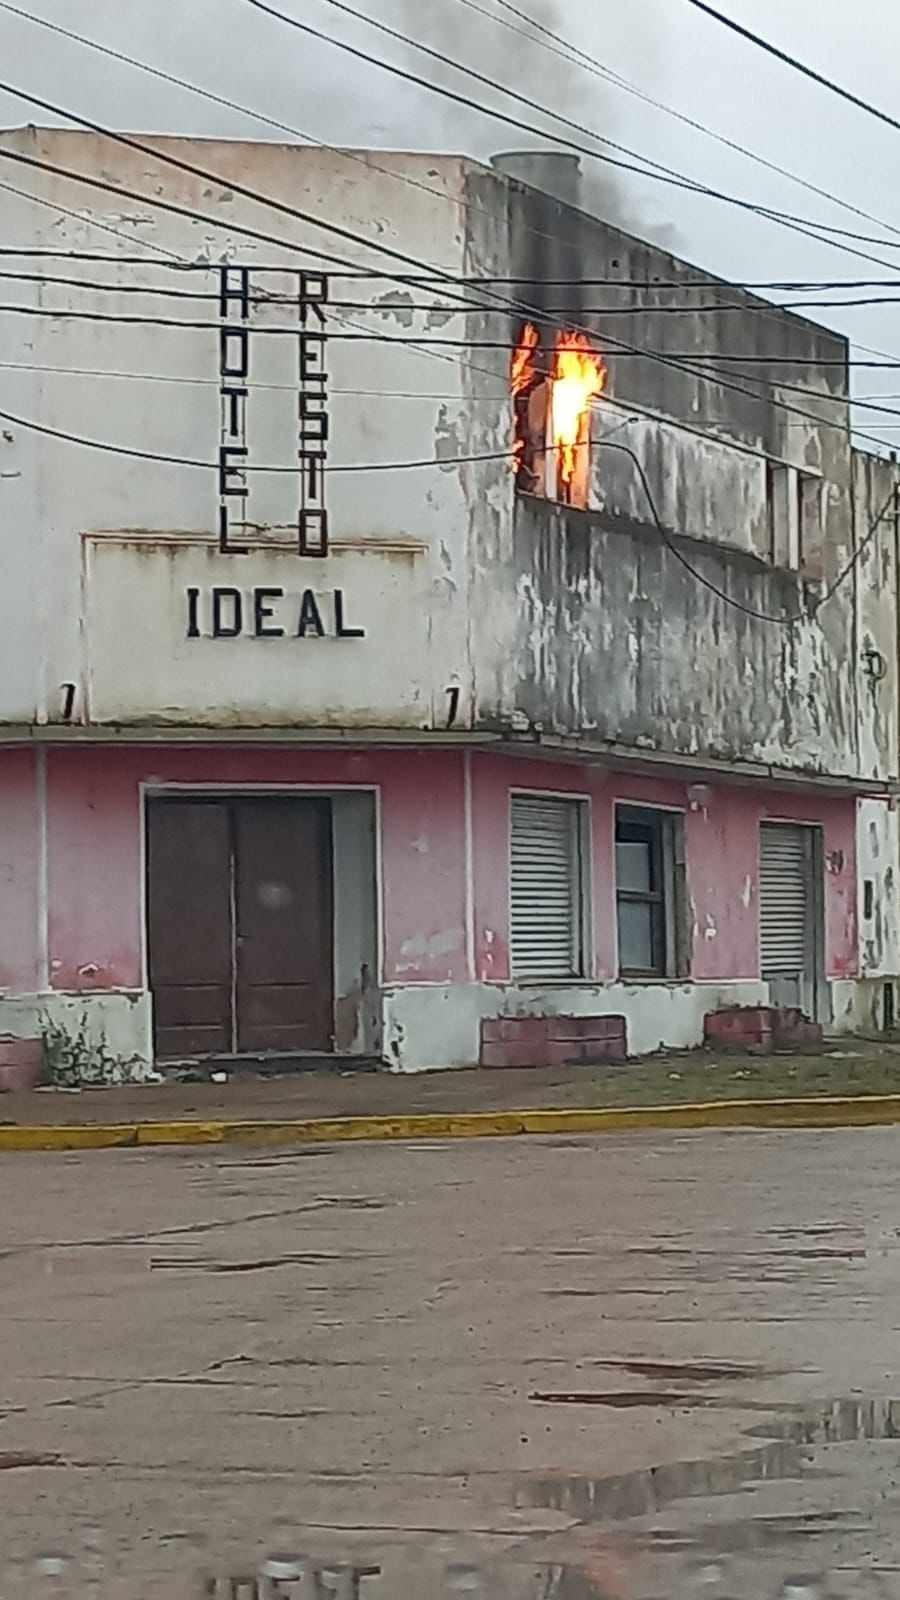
[665,49]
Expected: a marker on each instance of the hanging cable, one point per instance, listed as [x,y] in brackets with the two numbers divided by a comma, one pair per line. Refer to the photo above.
[758,616]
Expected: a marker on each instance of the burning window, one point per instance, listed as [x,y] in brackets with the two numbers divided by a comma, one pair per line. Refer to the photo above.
[552,414]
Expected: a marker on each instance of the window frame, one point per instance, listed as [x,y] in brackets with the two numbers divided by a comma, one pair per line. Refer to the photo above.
[794,517]
[667,900]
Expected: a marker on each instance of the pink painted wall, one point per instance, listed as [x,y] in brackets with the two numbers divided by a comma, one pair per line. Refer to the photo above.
[96,933]
[19,868]
[95,857]
[722,851]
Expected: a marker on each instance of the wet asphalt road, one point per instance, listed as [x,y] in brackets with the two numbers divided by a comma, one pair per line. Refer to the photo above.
[630,1366]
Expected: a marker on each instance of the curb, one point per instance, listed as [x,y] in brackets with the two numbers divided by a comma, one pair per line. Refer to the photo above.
[861,1111]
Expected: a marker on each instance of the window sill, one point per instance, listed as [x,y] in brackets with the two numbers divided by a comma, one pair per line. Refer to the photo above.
[551,983]
[652,979]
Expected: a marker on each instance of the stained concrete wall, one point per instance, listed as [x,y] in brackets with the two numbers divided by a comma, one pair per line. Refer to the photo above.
[511,610]
[597,627]
[95,582]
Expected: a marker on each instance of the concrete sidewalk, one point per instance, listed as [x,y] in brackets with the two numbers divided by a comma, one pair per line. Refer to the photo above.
[847,1067]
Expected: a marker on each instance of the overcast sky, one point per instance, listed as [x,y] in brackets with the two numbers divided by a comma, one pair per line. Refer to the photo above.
[665,48]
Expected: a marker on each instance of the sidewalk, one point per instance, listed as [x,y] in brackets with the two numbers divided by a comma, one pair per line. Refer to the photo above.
[844,1067]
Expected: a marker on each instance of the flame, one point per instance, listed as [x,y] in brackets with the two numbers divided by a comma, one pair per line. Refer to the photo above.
[522,371]
[578,375]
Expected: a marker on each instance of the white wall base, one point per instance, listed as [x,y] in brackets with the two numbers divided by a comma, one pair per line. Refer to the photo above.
[429,1026]
[121,1021]
[858,1004]
[437,1026]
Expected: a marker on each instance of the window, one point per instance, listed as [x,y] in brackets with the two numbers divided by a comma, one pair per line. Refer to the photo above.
[650,893]
[547,878]
[795,517]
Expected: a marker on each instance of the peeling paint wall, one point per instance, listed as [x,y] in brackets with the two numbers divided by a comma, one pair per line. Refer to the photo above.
[94,593]
[597,628]
[878,850]
[21,806]
[722,864]
[442,955]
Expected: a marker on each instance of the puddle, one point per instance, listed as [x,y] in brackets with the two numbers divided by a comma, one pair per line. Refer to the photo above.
[688,1371]
[837,1422]
[619,1399]
[650,1489]
[784,1456]
[13,1460]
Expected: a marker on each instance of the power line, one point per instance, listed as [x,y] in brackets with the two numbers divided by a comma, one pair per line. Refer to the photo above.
[649,284]
[104,227]
[654,170]
[254,115]
[798,65]
[214,466]
[365,161]
[798,224]
[449,462]
[419,340]
[863,402]
[574,54]
[380,307]
[255,233]
[233,228]
[215,383]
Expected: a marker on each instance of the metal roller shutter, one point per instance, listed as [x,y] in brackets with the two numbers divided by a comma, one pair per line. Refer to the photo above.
[545,888]
[784,899]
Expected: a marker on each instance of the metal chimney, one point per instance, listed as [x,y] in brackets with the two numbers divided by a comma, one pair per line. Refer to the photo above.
[551,171]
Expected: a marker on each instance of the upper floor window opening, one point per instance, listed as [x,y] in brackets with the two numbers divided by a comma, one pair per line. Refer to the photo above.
[552,394]
[794,507]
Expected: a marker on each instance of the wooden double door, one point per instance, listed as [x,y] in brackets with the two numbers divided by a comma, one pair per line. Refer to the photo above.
[240,925]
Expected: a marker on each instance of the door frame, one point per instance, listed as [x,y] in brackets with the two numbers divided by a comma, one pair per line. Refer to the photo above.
[154,790]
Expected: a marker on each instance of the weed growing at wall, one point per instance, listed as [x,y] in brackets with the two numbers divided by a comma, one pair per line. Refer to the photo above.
[75,1057]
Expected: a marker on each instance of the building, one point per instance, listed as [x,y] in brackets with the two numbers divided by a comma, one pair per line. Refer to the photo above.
[508,735]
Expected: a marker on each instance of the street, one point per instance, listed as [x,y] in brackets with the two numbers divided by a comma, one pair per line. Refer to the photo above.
[629,1365]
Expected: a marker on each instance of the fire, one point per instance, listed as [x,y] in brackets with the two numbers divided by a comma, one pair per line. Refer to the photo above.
[523,379]
[522,372]
[578,375]
[551,409]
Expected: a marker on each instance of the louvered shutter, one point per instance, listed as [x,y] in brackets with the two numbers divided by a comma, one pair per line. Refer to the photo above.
[545,888]
[784,899]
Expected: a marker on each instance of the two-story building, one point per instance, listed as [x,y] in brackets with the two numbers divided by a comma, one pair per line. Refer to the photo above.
[475,613]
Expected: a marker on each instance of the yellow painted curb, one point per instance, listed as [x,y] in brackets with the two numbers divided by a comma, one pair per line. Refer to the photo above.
[826,1111]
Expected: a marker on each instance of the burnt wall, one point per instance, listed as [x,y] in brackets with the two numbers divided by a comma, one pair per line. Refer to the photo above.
[547,240]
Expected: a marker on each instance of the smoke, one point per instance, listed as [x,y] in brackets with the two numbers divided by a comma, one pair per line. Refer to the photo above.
[549,74]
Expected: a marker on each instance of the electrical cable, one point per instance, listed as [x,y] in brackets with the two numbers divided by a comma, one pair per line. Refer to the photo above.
[418,340]
[232,227]
[382,306]
[248,111]
[800,224]
[797,64]
[200,172]
[576,56]
[655,170]
[448,462]
[759,616]
[214,466]
[103,227]
[776,285]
